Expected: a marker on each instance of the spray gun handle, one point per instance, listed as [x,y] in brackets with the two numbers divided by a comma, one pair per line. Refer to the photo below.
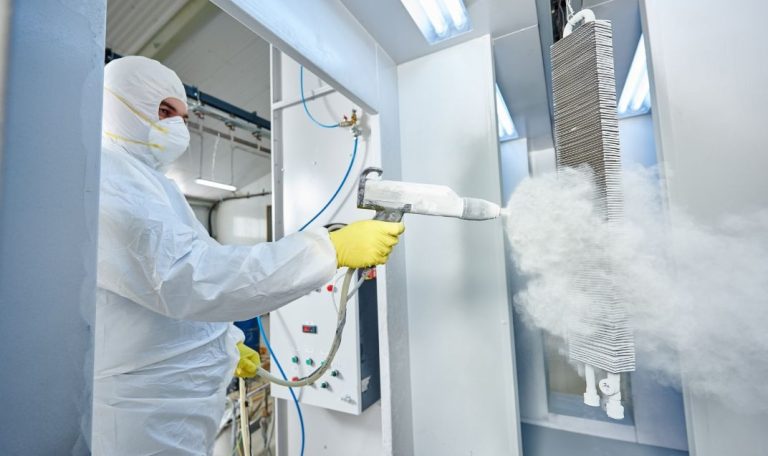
[383,215]
[388,215]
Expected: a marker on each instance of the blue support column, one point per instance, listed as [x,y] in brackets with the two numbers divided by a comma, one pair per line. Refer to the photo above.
[49,189]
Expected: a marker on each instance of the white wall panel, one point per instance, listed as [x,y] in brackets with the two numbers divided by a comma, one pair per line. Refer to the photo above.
[637,143]
[709,92]
[462,365]
[709,101]
[244,221]
[313,161]
[49,172]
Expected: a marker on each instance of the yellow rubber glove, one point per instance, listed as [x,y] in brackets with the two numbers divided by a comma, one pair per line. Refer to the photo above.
[249,361]
[366,243]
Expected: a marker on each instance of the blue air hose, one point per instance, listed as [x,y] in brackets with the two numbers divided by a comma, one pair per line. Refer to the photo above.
[304,102]
[338,189]
[282,372]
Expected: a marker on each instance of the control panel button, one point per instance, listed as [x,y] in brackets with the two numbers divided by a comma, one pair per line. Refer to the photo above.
[295,359]
[325,385]
[309,329]
[309,361]
[334,373]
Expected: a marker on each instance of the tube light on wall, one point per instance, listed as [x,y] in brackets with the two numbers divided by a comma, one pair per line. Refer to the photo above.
[439,20]
[636,96]
[507,130]
[214,184]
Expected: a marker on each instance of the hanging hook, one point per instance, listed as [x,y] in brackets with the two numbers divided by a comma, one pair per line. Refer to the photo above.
[583,15]
[213,157]
[201,131]
[231,127]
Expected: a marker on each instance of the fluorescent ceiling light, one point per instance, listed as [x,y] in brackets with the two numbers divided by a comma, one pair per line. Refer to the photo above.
[458,13]
[636,97]
[213,184]
[507,128]
[439,20]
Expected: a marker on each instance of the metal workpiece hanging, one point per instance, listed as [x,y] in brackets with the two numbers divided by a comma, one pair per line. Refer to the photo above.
[587,134]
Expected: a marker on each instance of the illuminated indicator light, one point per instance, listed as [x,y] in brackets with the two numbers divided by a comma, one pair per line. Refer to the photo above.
[295,379]
[330,288]
[295,359]
[309,329]
[309,362]
[370,274]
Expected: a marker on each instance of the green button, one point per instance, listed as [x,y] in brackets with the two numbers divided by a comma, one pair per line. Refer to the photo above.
[324,385]
[334,373]
[309,362]
[294,359]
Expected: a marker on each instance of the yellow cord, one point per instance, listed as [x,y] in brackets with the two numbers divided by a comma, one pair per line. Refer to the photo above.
[245,431]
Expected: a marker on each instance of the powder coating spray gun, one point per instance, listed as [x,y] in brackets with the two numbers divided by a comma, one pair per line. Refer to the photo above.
[391,200]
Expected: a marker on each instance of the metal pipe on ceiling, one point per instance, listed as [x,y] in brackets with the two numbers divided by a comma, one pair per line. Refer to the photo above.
[258,150]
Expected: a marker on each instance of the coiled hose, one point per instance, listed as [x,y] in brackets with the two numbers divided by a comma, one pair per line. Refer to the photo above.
[340,321]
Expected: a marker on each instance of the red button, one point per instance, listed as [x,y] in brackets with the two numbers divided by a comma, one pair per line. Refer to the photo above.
[330,288]
[295,379]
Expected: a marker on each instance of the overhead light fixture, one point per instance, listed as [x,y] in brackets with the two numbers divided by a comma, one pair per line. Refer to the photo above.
[439,20]
[636,96]
[214,184]
[507,130]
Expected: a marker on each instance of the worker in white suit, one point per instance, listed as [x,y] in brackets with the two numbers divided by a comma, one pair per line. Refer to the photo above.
[165,349]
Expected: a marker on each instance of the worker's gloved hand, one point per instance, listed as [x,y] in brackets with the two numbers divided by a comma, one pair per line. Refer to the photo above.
[249,361]
[366,243]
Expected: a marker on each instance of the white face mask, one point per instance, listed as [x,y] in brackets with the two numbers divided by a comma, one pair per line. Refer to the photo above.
[168,139]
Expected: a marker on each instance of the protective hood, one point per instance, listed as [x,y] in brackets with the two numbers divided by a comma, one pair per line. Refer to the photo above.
[133,89]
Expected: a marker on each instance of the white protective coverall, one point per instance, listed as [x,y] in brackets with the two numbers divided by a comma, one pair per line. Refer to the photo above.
[164,350]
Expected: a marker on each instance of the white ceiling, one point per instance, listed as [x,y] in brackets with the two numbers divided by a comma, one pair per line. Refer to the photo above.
[389,23]
[521,57]
[227,60]
[220,57]
[517,51]
[132,23]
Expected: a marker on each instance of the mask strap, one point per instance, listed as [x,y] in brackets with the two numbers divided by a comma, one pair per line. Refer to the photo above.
[141,115]
[133,141]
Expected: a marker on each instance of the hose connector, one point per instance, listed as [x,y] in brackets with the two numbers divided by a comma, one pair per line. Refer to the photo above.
[352,122]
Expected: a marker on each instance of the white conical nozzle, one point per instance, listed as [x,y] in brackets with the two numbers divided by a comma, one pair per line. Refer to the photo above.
[479,209]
